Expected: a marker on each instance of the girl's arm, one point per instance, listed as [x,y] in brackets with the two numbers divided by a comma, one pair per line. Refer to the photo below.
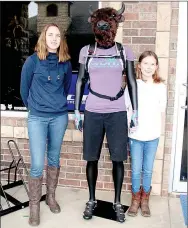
[26,79]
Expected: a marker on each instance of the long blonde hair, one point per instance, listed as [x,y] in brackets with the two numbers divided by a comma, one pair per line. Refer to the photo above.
[41,47]
[156,77]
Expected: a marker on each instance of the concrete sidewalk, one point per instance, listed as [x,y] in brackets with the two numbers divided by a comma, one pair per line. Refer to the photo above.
[166,212]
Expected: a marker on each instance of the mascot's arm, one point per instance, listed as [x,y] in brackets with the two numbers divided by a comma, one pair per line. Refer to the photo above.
[80,85]
[132,85]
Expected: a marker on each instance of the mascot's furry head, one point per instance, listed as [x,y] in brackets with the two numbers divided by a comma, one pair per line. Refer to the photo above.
[105,22]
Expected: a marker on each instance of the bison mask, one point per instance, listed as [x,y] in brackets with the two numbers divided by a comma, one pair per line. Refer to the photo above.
[105,22]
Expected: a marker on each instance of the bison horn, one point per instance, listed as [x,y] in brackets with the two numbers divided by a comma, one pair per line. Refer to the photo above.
[90,10]
[119,12]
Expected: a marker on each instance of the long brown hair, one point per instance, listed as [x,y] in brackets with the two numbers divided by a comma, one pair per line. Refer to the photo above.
[156,77]
[41,47]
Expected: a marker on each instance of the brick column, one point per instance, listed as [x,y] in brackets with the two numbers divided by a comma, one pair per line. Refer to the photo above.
[162,51]
[173,35]
[166,43]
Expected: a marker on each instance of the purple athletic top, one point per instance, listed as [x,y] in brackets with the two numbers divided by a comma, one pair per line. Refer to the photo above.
[105,78]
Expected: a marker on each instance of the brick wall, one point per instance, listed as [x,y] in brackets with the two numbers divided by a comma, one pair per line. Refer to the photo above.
[139,28]
[62,20]
[72,165]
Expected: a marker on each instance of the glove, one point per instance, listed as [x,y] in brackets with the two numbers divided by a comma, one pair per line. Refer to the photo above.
[78,120]
[134,119]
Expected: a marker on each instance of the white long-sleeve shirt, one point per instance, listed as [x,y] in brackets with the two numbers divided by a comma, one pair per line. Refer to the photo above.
[152,98]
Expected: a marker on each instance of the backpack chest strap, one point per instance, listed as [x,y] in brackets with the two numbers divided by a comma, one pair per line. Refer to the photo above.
[91,54]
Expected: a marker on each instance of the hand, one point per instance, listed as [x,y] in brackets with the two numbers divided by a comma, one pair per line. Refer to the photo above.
[78,120]
[134,119]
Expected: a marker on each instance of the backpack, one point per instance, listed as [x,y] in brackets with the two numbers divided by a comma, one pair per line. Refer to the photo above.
[120,55]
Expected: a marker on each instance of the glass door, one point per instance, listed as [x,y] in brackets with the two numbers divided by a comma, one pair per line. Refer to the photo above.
[180,168]
[180,110]
[183,171]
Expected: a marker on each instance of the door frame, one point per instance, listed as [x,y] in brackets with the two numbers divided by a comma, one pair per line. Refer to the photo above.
[180,96]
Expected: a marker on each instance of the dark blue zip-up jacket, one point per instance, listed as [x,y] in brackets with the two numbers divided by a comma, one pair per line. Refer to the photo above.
[45,85]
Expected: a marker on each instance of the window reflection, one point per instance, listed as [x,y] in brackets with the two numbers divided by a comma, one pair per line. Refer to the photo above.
[21,23]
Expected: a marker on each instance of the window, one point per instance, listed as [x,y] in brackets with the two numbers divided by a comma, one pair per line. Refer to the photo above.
[52,10]
[20,27]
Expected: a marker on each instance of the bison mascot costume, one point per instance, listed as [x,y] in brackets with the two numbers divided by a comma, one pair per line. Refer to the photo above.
[107,65]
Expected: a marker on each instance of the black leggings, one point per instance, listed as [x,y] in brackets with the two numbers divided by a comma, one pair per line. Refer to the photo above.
[118,175]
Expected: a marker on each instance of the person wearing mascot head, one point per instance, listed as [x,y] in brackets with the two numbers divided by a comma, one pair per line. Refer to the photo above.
[107,65]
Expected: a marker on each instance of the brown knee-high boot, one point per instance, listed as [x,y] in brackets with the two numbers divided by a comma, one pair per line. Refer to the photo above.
[145,211]
[135,204]
[35,193]
[51,185]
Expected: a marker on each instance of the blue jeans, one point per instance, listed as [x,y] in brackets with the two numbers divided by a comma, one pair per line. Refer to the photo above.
[142,159]
[44,131]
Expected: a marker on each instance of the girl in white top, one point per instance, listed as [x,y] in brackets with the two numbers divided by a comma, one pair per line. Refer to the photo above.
[144,138]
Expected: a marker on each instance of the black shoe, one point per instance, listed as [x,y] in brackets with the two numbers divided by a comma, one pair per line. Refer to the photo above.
[90,206]
[120,215]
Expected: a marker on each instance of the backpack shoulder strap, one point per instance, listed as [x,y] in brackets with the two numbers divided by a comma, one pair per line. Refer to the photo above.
[90,52]
[121,50]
